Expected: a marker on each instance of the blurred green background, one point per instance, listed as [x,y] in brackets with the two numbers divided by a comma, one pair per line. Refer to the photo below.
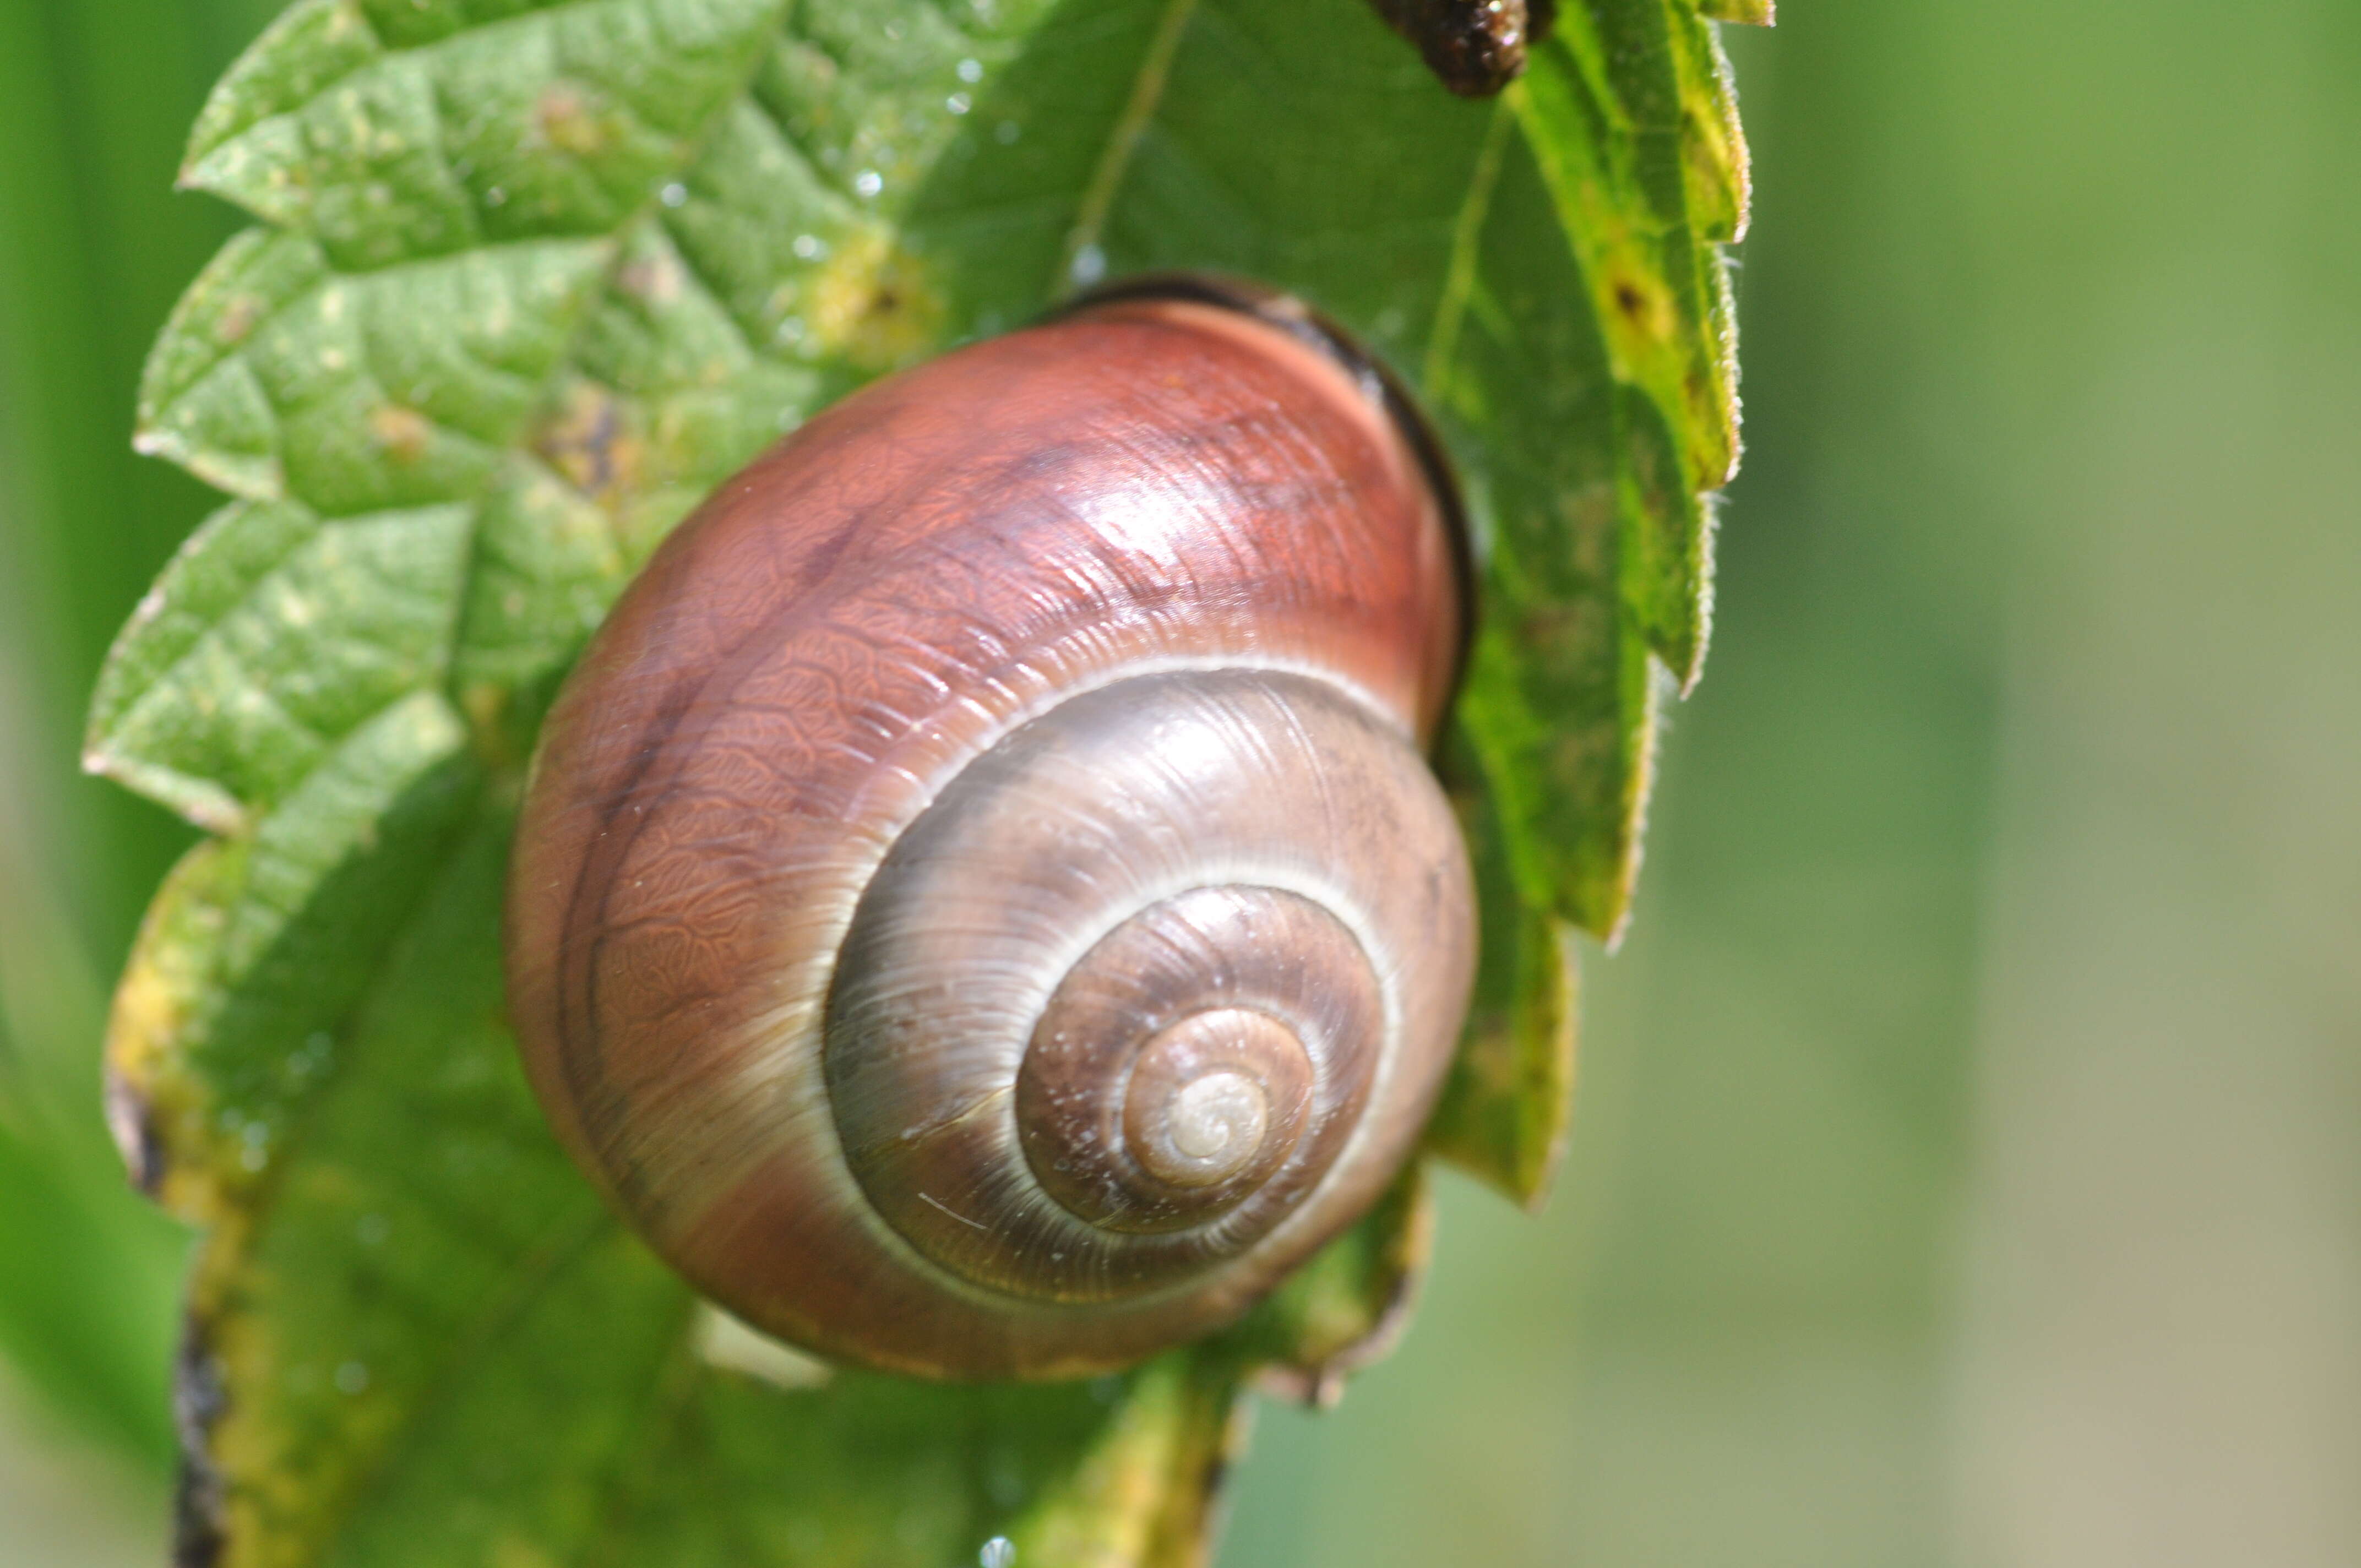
[1968,1162]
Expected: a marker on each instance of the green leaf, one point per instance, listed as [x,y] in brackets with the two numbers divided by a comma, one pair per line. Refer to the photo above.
[1507,1106]
[269,641]
[533,278]
[1761,13]
[1347,1307]
[1586,346]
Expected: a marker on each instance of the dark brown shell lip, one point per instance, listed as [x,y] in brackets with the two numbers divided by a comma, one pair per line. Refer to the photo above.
[1323,334]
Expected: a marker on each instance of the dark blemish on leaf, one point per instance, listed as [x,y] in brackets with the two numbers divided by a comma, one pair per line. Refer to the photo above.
[873,304]
[1641,303]
[200,1503]
[589,441]
[133,1122]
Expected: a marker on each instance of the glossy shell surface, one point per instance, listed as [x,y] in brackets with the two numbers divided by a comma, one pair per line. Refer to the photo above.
[1004,682]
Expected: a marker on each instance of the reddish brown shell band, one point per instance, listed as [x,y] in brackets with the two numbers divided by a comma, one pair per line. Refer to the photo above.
[1316,330]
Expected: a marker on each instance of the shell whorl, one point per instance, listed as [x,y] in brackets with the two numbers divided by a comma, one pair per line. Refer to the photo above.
[1167,908]
[981,908]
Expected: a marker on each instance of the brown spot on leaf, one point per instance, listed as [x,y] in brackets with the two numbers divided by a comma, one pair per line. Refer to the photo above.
[402,433]
[200,1503]
[238,318]
[568,120]
[1563,633]
[1641,303]
[590,439]
[873,304]
[651,279]
[1587,759]
[132,1121]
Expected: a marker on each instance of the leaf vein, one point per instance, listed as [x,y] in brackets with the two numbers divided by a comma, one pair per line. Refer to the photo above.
[1123,139]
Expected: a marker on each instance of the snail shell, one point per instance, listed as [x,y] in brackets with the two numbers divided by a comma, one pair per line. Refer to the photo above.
[979,906]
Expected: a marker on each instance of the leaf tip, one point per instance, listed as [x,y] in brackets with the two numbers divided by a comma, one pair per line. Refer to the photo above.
[204,803]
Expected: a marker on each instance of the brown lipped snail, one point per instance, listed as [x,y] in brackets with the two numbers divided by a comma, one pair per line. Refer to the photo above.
[981,906]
